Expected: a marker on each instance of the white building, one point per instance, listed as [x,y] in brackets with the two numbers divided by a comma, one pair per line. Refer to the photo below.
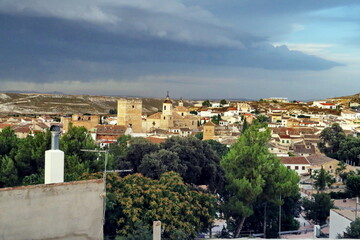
[299,164]
[347,114]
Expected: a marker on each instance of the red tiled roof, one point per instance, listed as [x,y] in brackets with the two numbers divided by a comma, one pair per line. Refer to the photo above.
[284,136]
[4,125]
[110,129]
[328,104]
[156,140]
[294,160]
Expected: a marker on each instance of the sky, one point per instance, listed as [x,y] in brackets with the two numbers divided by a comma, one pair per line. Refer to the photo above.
[192,48]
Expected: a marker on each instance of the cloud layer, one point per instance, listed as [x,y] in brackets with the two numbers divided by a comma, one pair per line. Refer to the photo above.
[119,40]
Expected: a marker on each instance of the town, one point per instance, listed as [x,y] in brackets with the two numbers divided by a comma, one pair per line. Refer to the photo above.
[317,140]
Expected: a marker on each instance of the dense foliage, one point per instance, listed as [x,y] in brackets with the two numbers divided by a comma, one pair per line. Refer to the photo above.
[196,161]
[254,175]
[22,160]
[353,231]
[322,179]
[318,209]
[335,144]
[134,202]
[330,139]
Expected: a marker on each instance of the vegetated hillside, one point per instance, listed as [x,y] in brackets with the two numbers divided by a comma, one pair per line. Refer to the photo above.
[354,96]
[38,103]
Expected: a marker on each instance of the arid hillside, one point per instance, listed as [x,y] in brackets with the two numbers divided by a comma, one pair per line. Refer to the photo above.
[37,103]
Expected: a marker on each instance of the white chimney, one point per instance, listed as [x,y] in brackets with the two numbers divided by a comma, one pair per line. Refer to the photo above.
[54,159]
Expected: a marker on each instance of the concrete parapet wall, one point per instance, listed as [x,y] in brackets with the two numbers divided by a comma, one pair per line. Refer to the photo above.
[72,210]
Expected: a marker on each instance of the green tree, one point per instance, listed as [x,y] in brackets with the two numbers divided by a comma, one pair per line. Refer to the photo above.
[199,135]
[8,172]
[353,185]
[202,163]
[139,147]
[341,167]
[330,139]
[30,155]
[113,111]
[154,164]
[349,150]
[216,119]
[318,209]
[322,179]
[136,200]
[206,103]
[219,148]
[253,174]
[289,210]
[353,231]
[194,112]
[8,142]
[245,125]
[263,119]
[77,161]
[223,102]
[119,150]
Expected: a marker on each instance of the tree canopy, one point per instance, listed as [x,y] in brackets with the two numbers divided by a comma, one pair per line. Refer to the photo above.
[353,231]
[330,139]
[206,103]
[318,209]
[322,179]
[353,185]
[134,200]
[253,173]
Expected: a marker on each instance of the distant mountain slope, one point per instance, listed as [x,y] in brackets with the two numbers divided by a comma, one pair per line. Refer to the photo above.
[40,103]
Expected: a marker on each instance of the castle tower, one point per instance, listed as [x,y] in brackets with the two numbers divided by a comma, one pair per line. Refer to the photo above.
[167,120]
[129,114]
[209,131]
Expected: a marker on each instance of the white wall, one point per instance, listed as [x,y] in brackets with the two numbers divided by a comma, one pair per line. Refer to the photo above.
[72,210]
[299,171]
[338,224]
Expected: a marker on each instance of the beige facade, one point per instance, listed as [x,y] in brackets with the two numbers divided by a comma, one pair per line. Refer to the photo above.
[87,121]
[209,131]
[171,117]
[243,107]
[129,114]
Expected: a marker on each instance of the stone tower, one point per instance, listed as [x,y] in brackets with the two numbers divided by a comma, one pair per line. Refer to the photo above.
[209,131]
[129,114]
[167,120]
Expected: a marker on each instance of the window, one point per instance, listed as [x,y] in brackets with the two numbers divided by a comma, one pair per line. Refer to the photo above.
[164,107]
[296,167]
[303,168]
[288,167]
[164,118]
[182,114]
[287,141]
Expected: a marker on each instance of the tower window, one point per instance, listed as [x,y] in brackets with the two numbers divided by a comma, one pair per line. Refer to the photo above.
[164,118]
[164,107]
[133,106]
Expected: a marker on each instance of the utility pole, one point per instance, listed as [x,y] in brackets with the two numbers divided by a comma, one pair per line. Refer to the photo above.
[104,174]
[280,216]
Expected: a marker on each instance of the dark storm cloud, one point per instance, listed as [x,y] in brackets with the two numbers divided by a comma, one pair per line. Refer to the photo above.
[44,44]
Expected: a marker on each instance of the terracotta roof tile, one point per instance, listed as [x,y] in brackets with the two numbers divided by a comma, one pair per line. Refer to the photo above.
[294,160]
